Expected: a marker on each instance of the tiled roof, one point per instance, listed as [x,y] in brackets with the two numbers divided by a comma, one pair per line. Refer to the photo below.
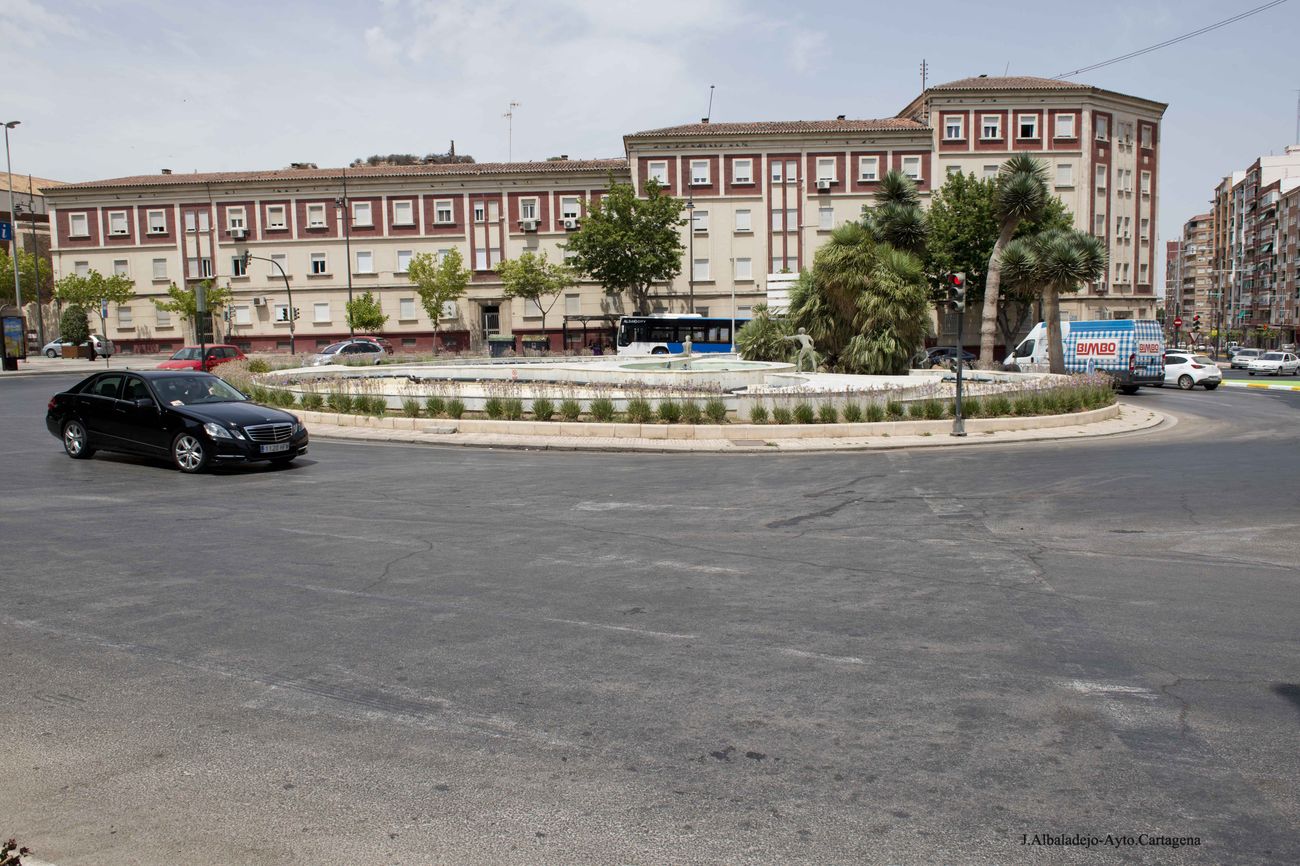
[21,187]
[778,127]
[458,169]
[1014,82]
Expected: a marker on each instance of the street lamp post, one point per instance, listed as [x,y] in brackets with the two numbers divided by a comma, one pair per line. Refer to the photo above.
[18,291]
[248,257]
[690,273]
[36,262]
[345,205]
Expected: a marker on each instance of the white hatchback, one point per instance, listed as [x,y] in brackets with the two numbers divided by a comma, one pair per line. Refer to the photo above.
[1187,371]
[1275,363]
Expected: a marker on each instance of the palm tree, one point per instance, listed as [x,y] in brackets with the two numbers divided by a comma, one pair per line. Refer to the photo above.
[1053,262]
[897,218]
[1019,193]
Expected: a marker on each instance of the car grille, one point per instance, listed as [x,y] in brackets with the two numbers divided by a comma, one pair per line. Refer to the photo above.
[269,432]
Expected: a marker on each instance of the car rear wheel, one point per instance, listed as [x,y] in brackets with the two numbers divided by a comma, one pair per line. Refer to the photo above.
[188,453]
[76,442]
[1186,382]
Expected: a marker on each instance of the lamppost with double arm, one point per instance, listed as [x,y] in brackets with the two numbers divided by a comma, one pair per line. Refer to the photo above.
[18,291]
[344,204]
[248,257]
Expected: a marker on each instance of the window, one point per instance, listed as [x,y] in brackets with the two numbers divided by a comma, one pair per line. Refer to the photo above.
[1065,174]
[480,212]
[119,268]
[81,269]
[825,218]
[912,167]
[528,208]
[237,267]
[1027,126]
[657,172]
[1099,229]
[826,168]
[242,316]
[199,267]
[532,309]
[572,305]
[744,269]
[480,259]
[990,126]
[318,264]
[160,269]
[281,259]
[1065,126]
[701,270]
[743,222]
[1101,127]
[117,222]
[315,216]
[280,313]
[700,172]
[700,221]
[1146,228]
[442,213]
[164,318]
[954,170]
[742,171]
[776,171]
[157,221]
[494,211]
[1146,183]
[990,171]
[569,208]
[778,264]
[1119,226]
[403,261]
[952,127]
[320,311]
[361,214]
[1101,177]
[406,309]
[124,319]
[1142,272]
[1146,136]
[365,262]
[78,226]
[403,213]
[868,168]
[275,217]
[235,218]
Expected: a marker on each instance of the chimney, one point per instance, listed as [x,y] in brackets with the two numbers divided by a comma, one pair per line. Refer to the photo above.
[839,117]
[166,171]
[704,120]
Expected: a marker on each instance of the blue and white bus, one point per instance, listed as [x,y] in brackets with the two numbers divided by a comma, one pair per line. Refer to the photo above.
[665,334]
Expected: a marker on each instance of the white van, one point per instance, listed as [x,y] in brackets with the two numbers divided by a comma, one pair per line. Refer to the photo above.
[1131,351]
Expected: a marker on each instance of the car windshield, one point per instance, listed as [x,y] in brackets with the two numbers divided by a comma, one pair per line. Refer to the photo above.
[190,390]
[1272,356]
[188,354]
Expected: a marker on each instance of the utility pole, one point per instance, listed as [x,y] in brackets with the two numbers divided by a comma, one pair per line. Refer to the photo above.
[690,274]
[510,131]
[708,115]
[925,74]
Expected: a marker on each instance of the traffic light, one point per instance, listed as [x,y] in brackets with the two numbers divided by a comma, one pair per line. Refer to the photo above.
[247,257]
[1196,322]
[957,286]
[296,313]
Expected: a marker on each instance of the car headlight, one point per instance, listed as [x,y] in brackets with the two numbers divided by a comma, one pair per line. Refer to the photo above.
[297,428]
[216,431]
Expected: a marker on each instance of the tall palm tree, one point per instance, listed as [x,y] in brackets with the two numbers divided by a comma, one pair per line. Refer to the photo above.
[897,217]
[1053,262]
[1019,193]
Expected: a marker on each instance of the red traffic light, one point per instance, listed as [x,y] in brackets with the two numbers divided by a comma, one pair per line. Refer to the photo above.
[958,280]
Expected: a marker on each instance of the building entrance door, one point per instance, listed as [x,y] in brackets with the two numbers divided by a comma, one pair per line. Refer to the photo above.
[491,320]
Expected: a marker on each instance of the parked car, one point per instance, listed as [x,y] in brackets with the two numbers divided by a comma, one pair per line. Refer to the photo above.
[195,419]
[382,341]
[945,356]
[1242,357]
[356,351]
[103,347]
[1187,371]
[1275,363]
[187,358]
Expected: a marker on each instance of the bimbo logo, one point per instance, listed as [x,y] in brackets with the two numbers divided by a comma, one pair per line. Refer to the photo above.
[1096,349]
[1148,348]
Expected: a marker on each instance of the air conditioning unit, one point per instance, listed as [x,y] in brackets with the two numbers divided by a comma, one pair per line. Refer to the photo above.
[570,223]
[528,225]
[238,233]
[823,184]
[259,302]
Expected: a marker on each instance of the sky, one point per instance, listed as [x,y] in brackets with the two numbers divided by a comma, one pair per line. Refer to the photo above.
[106,89]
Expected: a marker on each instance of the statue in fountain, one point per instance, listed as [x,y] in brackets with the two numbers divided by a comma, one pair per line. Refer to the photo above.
[805,351]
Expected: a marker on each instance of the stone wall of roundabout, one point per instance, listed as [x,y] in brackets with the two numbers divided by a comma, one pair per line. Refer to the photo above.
[740,385]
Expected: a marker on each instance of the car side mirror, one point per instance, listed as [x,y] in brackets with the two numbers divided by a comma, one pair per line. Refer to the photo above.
[146,403]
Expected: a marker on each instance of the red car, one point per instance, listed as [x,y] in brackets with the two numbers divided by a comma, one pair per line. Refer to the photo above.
[188,358]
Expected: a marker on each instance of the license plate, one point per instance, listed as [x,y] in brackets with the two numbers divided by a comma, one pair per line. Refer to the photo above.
[271,449]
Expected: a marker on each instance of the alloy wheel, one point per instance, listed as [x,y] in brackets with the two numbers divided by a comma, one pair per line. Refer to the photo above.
[188,453]
[74,438]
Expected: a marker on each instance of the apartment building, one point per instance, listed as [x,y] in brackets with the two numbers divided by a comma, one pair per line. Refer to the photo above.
[1192,294]
[1286,307]
[1173,275]
[761,197]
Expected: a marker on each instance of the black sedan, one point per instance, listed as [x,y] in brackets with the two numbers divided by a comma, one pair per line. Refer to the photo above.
[946,356]
[194,419]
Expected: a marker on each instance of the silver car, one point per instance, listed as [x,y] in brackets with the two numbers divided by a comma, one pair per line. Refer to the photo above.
[103,347]
[348,352]
[1242,357]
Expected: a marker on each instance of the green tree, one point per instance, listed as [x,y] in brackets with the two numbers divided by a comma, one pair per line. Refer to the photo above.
[72,325]
[1053,262]
[29,266]
[762,338]
[437,282]
[627,244]
[865,303]
[93,290]
[533,278]
[184,302]
[896,218]
[1019,193]
[364,313]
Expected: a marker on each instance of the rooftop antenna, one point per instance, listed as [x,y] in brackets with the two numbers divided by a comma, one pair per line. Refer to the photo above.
[925,75]
[1007,71]
[708,115]
[510,131]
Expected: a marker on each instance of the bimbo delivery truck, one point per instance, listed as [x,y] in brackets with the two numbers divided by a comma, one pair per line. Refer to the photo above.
[1131,351]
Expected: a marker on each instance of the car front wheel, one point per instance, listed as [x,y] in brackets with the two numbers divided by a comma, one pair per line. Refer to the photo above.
[76,442]
[50,353]
[189,454]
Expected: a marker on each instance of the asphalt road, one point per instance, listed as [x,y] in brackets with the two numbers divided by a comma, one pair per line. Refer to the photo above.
[429,655]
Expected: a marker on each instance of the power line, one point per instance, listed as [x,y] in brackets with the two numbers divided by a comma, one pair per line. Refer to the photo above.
[1224,23]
